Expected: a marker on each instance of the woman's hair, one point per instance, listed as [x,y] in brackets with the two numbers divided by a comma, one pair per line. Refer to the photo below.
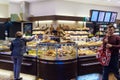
[18,34]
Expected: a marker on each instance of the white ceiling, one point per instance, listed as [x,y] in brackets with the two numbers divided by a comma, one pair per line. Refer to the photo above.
[97,2]
[24,0]
[4,1]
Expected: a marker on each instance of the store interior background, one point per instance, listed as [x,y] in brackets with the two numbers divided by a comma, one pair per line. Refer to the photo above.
[35,8]
[58,7]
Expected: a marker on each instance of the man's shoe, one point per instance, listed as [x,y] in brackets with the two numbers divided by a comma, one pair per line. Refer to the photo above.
[19,78]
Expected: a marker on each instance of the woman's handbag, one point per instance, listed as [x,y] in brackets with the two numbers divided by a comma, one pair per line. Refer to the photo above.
[103,56]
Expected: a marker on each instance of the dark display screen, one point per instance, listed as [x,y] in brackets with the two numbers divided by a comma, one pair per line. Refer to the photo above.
[113,17]
[101,16]
[107,17]
[94,15]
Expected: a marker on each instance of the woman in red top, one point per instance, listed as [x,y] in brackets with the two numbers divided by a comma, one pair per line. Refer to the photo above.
[112,42]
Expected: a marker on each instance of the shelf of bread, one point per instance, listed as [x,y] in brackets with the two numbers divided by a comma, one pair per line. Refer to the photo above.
[38,32]
[65,51]
[56,51]
[33,52]
[32,44]
[62,54]
[90,43]
[48,41]
[86,52]
[51,54]
[4,46]
[75,28]
[41,27]
[78,38]
[48,51]
[77,32]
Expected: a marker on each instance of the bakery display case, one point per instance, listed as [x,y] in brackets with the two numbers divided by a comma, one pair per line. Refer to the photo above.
[28,64]
[4,46]
[31,48]
[78,32]
[72,57]
[88,47]
[60,57]
[87,62]
[57,51]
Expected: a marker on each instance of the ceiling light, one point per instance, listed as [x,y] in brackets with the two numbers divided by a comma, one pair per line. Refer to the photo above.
[108,0]
[118,1]
[65,21]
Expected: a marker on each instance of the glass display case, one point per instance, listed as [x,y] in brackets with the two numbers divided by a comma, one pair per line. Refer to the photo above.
[60,57]
[31,48]
[89,46]
[57,51]
[4,46]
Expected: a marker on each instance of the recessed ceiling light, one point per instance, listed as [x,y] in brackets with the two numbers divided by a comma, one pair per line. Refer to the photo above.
[108,0]
[118,1]
[24,0]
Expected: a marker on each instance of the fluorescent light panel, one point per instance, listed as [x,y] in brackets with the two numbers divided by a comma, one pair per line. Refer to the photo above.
[65,21]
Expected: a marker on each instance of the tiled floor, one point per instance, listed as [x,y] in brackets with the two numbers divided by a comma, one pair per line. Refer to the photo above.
[8,75]
[94,76]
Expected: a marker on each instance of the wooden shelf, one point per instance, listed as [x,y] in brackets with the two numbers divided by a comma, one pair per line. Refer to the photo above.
[56,17]
[76,30]
[4,19]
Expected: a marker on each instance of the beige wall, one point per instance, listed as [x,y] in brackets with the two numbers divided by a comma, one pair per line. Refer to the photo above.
[80,9]
[60,7]
[14,8]
[4,10]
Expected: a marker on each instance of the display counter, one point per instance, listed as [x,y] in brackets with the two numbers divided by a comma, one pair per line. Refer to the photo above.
[28,65]
[58,69]
[57,61]
[46,69]
[63,61]
[53,69]
[61,69]
[88,64]
[61,66]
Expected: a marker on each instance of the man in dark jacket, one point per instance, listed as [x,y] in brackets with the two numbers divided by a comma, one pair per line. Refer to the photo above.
[18,48]
[112,42]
